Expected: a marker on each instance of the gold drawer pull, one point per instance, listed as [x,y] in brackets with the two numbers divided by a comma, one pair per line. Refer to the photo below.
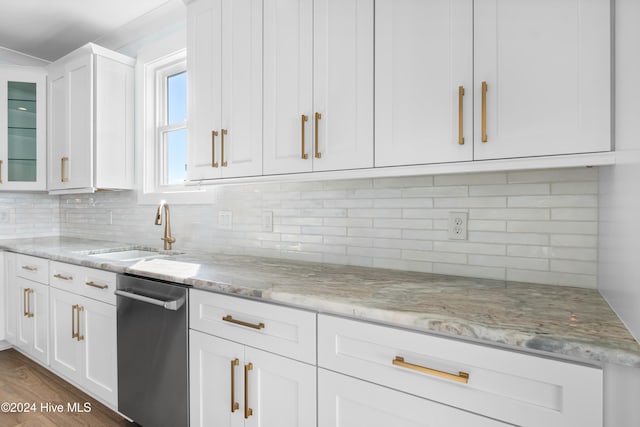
[234,405]
[214,133]
[317,153]
[462,377]
[79,309]
[25,310]
[229,318]
[62,277]
[95,285]
[460,115]
[74,334]
[247,411]
[63,178]
[0,171]
[29,268]
[485,138]
[303,119]
[224,162]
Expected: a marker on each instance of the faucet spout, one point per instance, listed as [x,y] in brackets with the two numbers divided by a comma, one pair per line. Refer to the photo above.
[167,238]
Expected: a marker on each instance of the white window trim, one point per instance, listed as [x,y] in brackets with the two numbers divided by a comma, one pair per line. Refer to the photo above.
[154,63]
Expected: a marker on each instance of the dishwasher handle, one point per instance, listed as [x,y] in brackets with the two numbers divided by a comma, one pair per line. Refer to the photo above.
[167,305]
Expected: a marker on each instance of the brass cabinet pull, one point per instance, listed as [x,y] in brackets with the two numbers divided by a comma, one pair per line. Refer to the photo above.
[224,162]
[229,318]
[460,115]
[62,277]
[25,311]
[29,293]
[29,268]
[0,171]
[462,377]
[303,119]
[78,310]
[484,112]
[95,285]
[63,178]
[317,153]
[74,334]
[247,411]
[214,133]
[234,405]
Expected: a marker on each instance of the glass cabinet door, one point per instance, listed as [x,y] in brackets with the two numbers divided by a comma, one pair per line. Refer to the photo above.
[21,132]
[23,128]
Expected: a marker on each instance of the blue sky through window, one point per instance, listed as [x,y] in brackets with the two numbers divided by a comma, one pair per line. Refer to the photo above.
[177,139]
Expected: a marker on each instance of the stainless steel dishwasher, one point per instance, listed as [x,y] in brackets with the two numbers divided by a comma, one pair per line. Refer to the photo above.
[153,351]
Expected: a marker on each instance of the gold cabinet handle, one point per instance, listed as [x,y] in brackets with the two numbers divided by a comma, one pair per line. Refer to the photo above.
[63,178]
[29,312]
[62,277]
[224,162]
[484,112]
[29,268]
[229,318]
[303,120]
[214,133]
[460,115]
[95,285]
[25,311]
[234,405]
[78,310]
[74,334]
[247,411]
[462,377]
[0,171]
[317,153]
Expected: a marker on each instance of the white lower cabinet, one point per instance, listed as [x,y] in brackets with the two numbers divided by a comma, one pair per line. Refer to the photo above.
[232,383]
[33,318]
[348,402]
[83,341]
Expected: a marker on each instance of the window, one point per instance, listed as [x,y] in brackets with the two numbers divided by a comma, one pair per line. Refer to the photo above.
[171,140]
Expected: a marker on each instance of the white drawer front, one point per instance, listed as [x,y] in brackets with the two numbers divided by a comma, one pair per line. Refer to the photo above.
[282,330]
[92,283]
[32,268]
[518,388]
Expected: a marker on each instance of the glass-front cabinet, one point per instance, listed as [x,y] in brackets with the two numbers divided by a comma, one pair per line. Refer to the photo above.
[22,128]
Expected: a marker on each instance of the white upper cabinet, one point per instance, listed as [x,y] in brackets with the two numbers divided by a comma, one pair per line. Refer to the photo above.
[22,128]
[547,70]
[90,121]
[424,54]
[318,77]
[224,57]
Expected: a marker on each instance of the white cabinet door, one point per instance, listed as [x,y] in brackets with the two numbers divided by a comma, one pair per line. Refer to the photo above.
[343,84]
[281,391]
[78,167]
[98,327]
[241,129]
[33,319]
[204,56]
[288,79]
[12,301]
[66,354]
[348,402]
[23,121]
[216,381]
[547,69]
[423,55]
[57,127]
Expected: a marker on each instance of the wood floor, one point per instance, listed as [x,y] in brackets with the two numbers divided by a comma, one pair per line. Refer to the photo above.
[24,381]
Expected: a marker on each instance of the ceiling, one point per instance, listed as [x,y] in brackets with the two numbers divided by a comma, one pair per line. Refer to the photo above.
[49,29]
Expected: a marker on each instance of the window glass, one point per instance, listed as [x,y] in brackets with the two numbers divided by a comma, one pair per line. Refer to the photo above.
[177,98]
[176,152]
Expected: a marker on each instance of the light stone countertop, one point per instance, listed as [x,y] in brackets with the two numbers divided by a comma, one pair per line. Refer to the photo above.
[569,322]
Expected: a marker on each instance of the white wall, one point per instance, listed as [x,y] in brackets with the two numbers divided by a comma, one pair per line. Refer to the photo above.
[534,226]
[619,250]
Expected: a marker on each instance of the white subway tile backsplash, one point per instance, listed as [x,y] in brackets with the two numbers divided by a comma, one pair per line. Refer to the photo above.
[536,226]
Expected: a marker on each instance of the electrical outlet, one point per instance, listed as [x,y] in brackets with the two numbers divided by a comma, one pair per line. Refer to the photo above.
[457,225]
[267,221]
[225,220]
[4,216]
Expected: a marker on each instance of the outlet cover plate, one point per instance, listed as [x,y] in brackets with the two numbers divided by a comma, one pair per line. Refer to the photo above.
[457,226]
[225,220]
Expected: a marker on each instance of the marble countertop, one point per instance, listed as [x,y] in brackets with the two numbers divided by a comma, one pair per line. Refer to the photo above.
[570,322]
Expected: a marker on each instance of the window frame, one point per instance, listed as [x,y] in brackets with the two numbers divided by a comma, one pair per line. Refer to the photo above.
[155,63]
